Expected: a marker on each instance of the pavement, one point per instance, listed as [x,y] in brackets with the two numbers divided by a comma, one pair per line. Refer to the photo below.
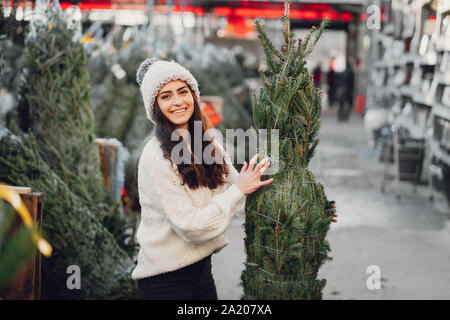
[401,244]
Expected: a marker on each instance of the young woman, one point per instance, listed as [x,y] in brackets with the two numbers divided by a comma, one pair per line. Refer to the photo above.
[186,206]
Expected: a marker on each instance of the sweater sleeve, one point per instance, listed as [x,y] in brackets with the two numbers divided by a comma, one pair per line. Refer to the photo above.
[193,224]
[232,177]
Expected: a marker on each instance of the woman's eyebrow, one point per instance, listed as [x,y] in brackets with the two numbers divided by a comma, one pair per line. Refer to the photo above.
[165,92]
[171,91]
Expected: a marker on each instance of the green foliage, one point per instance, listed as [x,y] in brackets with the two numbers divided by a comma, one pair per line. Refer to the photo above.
[72,228]
[114,101]
[8,23]
[287,221]
[114,121]
[55,105]
[15,249]
[59,157]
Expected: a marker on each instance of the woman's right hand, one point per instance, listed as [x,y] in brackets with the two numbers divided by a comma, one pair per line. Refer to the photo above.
[249,179]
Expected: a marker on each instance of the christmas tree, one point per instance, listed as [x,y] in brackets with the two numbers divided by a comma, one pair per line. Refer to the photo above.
[59,157]
[7,24]
[71,226]
[287,220]
[54,103]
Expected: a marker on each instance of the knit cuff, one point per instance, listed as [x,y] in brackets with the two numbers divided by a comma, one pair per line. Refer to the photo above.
[235,194]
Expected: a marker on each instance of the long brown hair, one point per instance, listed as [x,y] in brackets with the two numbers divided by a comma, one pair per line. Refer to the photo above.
[194,175]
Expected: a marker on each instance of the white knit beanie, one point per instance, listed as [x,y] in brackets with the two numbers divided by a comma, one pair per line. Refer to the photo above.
[153,74]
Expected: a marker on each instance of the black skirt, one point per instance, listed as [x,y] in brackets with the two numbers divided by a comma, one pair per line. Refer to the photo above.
[193,282]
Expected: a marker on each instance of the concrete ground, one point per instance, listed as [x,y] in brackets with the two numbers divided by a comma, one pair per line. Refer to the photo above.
[406,240]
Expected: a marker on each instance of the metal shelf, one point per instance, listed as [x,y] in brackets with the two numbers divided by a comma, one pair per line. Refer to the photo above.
[443,5]
[407,91]
[418,97]
[439,153]
[389,90]
[414,130]
[396,62]
[442,43]
[443,78]
[441,111]
[422,61]
[424,103]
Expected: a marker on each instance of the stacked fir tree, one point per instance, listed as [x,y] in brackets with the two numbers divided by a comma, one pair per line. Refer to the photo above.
[7,23]
[15,248]
[58,156]
[287,221]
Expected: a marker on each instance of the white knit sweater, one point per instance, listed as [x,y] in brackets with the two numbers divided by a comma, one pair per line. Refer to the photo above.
[180,226]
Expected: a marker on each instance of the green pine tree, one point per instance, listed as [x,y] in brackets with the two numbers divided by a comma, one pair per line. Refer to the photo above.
[287,221]
[72,228]
[54,103]
[59,157]
[16,248]
[7,24]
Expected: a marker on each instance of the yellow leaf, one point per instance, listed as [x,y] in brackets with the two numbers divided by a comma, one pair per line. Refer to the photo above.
[14,199]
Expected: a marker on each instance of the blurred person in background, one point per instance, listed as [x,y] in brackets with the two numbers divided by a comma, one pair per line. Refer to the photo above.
[331,82]
[317,76]
[345,93]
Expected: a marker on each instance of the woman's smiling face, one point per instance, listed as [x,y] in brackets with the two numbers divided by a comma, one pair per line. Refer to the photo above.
[176,102]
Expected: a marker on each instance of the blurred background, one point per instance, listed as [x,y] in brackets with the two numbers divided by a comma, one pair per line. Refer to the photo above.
[384,155]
